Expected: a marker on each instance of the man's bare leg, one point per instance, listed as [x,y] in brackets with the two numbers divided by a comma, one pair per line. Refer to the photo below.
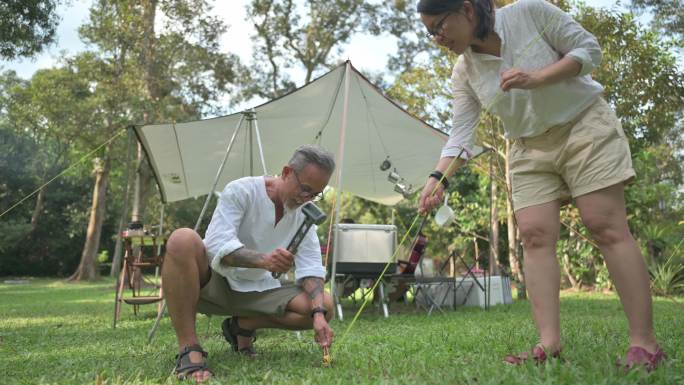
[185,270]
[297,317]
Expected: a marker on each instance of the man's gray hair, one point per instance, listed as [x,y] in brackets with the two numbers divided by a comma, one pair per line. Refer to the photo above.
[310,154]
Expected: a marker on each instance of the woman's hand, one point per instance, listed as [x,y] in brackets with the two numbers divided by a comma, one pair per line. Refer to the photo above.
[515,78]
[427,202]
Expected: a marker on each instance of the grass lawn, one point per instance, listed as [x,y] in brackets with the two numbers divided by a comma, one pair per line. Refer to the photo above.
[53,332]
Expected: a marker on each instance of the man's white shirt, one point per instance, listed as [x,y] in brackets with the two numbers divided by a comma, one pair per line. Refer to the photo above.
[245,217]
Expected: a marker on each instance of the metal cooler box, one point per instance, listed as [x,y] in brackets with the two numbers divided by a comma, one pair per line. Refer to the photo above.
[365,249]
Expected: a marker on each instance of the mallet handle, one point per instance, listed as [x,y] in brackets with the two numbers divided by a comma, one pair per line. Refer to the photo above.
[296,241]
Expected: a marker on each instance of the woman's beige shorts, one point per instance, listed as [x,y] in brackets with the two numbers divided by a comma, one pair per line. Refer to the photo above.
[587,154]
[216,297]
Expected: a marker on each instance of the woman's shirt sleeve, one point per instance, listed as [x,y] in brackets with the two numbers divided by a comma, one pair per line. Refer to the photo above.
[564,34]
[465,116]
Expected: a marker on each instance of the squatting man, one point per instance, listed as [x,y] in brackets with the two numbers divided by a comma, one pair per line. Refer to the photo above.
[230,272]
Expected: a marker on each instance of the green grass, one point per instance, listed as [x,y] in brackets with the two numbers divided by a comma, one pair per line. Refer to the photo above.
[53,332]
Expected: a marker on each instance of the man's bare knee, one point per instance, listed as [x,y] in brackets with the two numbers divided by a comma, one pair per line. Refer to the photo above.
[185,248]
[184,243]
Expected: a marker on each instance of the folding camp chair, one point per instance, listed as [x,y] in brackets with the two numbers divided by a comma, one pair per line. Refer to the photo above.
[433,292]
[481,283]
[143,253]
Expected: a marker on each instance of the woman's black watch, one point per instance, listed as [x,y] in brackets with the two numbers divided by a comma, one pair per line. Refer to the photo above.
[440,177]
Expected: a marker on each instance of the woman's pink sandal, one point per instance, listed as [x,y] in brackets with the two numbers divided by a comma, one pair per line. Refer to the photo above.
[538,354]
[637,357]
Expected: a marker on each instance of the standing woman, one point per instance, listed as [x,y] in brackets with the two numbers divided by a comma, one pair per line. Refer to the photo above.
[530,63]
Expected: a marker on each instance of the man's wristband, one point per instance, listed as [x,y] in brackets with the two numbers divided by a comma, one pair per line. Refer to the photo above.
[439,176]
[319,310]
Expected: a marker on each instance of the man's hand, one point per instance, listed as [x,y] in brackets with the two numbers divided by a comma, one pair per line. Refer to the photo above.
[427,202]
[313,287]
[278,261]
[323,334]
[515,78]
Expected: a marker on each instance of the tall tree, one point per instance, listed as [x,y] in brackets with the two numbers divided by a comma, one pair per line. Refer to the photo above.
[32,111]
[147,72]
[26,27]
[39,140]
[291,37]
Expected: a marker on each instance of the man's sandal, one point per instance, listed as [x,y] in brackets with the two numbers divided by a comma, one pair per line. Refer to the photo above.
[231,331]
[185,368]
[538,354]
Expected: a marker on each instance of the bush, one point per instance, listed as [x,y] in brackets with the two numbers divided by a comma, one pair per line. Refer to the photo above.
[667,278]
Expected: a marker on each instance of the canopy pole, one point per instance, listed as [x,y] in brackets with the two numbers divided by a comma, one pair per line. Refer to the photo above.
[161,230]
[340,167]
[161,312]
[251,144]
[258,136]
[218,173]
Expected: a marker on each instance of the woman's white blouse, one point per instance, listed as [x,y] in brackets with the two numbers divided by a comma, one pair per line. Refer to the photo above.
[534,34]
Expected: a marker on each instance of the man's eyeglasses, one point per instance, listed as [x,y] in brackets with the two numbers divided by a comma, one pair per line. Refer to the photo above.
[438,28]
[305,192]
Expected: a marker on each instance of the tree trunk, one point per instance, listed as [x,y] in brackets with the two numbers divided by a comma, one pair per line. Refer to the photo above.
[568,273]
[37,210]
[493,223]
[142,174]
[118,248]
[513,251]
[150,57]
[574,242]
[143,183]
[87,269]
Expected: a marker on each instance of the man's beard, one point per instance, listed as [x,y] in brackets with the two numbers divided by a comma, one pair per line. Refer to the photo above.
[292,204]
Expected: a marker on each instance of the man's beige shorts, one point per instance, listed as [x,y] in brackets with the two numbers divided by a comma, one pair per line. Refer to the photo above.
[587,154]
[216,297]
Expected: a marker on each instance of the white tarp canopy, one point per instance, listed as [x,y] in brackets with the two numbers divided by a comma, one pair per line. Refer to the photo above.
[186,157]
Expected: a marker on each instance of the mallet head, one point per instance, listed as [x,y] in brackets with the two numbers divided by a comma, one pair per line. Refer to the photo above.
[313,214]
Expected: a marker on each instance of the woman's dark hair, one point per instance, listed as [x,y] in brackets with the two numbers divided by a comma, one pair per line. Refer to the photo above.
[483,8]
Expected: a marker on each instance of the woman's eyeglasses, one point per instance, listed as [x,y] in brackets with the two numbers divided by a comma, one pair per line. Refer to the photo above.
[438,28]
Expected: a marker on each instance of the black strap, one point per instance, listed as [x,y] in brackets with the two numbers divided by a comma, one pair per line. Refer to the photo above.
[319,310]
[185,367]
[191,348]
[238,331]
[440,177]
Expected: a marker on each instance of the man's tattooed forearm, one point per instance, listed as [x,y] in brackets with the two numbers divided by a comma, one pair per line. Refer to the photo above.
[242,257]
[313,287]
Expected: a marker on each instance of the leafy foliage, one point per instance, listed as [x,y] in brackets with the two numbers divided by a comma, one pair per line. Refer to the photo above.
[667,277]
[26,27]
[291,37]
[667,14]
